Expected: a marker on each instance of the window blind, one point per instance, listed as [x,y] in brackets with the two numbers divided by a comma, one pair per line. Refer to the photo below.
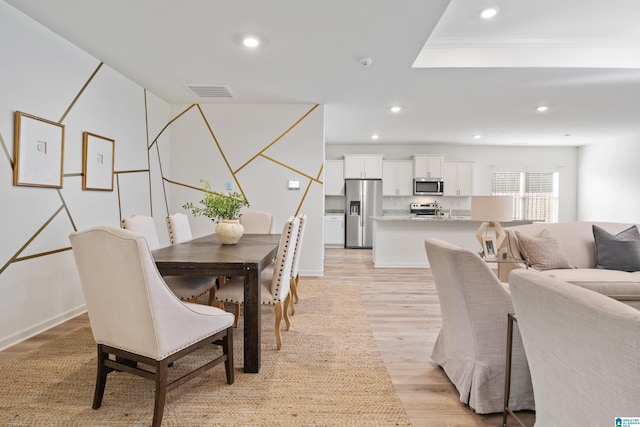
[535,194]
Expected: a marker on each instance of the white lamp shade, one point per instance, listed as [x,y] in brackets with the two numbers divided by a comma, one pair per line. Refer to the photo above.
[492,208]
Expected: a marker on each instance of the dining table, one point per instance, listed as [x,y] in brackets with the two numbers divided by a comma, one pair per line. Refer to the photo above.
[207,256]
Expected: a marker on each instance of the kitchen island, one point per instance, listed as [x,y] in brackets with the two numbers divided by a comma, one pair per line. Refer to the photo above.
[398,241]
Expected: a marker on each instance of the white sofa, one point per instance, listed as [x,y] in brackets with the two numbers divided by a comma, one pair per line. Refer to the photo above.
[576,241]
[582,350]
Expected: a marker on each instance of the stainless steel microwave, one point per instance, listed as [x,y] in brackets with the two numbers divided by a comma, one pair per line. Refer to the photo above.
[428,186]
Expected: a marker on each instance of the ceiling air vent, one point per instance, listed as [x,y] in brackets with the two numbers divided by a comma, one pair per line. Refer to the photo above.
[211,91]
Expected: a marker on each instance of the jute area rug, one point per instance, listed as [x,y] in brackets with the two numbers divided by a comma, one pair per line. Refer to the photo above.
[328,373]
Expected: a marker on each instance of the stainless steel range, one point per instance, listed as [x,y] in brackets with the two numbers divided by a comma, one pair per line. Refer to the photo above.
[425,209]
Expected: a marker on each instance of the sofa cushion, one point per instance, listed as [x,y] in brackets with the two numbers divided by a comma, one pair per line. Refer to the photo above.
[542,252]
[607,282]
[617,252]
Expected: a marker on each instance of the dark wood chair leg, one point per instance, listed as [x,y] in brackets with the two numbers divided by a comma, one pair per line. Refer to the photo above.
[161,392]
[227,348]
[101,378]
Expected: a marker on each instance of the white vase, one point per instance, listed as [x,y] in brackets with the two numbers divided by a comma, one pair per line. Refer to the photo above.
[229,231]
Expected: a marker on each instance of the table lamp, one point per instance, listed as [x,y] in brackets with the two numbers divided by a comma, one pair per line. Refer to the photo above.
[490,210]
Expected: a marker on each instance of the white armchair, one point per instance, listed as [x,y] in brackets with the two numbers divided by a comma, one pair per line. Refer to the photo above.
[471,345]
[136,318]
[583,350]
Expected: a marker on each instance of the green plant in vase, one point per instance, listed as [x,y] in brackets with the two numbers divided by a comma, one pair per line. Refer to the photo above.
[222,210]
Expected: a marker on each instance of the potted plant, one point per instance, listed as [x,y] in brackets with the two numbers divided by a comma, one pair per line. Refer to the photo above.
[223,210]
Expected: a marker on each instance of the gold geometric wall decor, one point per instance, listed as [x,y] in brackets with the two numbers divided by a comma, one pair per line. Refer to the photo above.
[251,156]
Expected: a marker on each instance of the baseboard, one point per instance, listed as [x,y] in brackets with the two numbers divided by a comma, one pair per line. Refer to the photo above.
[407,265]
[312,273]
[18,337]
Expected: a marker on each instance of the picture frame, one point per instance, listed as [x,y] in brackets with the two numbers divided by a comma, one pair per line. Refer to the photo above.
[489,248]
[38,151]
[97,162]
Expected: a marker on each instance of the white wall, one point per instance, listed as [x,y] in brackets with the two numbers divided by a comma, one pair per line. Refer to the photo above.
[41,75]
[485,159]
[609,179]
[242,132]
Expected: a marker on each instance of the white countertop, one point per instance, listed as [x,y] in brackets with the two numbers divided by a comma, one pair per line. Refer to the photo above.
[419,218]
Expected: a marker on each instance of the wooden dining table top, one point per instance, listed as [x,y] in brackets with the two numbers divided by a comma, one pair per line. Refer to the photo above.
[207,256]
[206,253]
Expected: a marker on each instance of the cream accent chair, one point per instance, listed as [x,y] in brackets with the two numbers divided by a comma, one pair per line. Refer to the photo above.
[136,318]
[472,342]
[583,350]
[274,292]
[185,288]
[258,222]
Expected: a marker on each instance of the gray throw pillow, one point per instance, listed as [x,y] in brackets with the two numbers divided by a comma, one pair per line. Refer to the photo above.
[542,252]
[619,252]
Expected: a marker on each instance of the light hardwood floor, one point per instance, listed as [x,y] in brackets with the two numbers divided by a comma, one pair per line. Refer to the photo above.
[403,311]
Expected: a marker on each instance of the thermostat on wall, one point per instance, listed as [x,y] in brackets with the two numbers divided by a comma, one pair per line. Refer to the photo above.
[294,185]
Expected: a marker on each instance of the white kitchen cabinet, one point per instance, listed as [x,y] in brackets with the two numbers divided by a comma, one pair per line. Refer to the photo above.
[363,166]
[334,178]
[397,178]
[334,230]
[425,166]
[458,179]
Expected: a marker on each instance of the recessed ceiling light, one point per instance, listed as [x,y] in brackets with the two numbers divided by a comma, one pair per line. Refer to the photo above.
[396,109]
[375,136]
[489,13]
[542,108]
[251,41]
[477,136]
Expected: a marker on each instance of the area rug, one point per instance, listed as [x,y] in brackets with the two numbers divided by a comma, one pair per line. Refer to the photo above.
[328,373]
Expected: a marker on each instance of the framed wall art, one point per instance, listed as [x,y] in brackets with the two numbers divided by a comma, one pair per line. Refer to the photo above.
[97,162]
[38,151]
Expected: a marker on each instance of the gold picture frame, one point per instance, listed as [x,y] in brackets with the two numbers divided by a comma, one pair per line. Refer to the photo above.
[38,151]
[97,162]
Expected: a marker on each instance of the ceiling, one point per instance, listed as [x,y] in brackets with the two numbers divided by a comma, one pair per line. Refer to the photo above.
[454,74]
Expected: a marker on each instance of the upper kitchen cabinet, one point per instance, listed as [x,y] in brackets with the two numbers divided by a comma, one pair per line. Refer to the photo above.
[458,179]
[333,178]
[397,178]
[363,166]
[425,166]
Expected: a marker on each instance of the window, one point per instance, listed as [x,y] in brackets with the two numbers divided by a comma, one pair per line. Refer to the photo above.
[535,194]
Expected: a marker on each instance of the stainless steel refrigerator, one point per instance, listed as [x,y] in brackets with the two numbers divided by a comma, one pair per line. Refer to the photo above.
[363,200]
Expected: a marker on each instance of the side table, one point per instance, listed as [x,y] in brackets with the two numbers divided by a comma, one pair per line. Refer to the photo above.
[511,318]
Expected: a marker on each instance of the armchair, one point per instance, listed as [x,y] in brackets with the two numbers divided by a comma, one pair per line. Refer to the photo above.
[472,341]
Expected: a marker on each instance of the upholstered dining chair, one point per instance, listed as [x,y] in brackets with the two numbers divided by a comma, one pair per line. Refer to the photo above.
[583,350]
[136,318]
[267,273]
[186,288]
[276,291]
[179,228]
[296,263]
[258,222]
[471,345]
